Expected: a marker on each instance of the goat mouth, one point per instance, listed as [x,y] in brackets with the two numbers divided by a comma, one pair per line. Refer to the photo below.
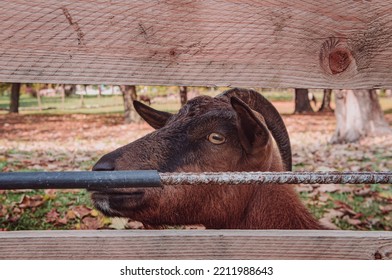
[115,203]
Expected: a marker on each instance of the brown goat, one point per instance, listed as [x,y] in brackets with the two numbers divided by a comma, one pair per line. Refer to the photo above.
[238,130]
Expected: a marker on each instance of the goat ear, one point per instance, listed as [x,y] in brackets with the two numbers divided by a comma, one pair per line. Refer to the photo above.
[252,132]
[155,118]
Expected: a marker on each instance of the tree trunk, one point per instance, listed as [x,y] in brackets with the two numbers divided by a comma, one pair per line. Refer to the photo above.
[82,105]
[183,95]
[39,101]
[61,89]
[302,103]
[129,95]
[326,105]
[70,90]
[15,94]
[99,91]
[358,114]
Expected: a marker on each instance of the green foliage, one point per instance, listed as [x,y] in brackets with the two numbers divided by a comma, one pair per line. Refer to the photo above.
[21,217]
[5,88]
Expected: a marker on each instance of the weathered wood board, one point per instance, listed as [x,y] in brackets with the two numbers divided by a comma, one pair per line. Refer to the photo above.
[275,43]
[196,244]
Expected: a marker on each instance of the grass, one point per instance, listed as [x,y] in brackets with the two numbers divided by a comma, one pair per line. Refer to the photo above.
[35,218]
[386,105]
[368,208]
[72,105]
[114,103]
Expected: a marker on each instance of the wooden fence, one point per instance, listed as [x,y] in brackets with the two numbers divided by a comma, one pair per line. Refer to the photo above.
[275,43]
[196,244]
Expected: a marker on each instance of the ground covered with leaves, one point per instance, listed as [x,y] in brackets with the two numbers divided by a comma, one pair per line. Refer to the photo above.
[75,142]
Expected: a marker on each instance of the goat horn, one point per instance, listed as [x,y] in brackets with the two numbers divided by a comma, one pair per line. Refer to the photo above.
[272,118]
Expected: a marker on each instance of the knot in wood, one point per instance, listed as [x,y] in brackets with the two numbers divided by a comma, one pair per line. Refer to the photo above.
[339,60]
[336,57]
[377,256]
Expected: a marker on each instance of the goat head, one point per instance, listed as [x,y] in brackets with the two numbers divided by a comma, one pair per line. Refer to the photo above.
[238,130]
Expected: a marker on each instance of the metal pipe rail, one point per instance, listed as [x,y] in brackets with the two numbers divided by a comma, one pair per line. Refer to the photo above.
[107,180]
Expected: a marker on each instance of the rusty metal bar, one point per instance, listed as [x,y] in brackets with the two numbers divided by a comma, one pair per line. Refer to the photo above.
[240,178]
[107,180]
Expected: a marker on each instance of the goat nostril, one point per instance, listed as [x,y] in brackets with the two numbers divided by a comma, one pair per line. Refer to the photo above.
[104,166]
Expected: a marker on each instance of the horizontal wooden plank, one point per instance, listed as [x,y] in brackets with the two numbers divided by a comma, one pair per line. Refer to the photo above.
[275,43]
[196,244]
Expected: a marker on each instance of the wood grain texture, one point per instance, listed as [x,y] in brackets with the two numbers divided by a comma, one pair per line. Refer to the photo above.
[274,43]
[197,244]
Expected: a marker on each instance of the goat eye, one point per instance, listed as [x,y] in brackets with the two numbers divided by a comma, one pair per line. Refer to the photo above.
[216,138]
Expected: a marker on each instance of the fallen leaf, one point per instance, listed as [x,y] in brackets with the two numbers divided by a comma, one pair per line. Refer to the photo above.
[3,211]
[386,209]
[62,221]
[329,217]
[74,191]
[30,202]
[354,222]
[81,211]
[195,227]
[90,223]
[323,197]
[332,213]
[387,195]
[94,213]
[325,168]
[106,220]
[334,188]
[344,207]
[70,215]
[16,210]
[327,223]
[134,225]
[52,216]
[13,218]
[365,191]
[118,223]
[358,215]
[304,188]
[50,194]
